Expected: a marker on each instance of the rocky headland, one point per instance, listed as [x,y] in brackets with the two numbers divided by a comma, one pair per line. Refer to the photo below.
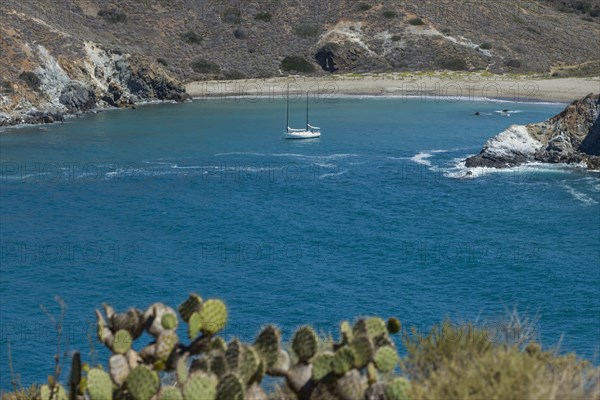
[571,137]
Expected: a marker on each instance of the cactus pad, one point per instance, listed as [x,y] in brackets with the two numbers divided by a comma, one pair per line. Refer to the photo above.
[363,350]
[122,342]
[343,360]
[305,343]
[322,366]
[351,386]
[119,368]
[346,332]
[267,345]
[398,389]
[142,383]
[181,370]
[192,304]
[211,318]
[386,359]
[230,388]
[218,343]
[243,360]
[99,386]
[169,321]
[165,344]
[200,386]
[59,393]
[154,316]
[373,327]
[170,393]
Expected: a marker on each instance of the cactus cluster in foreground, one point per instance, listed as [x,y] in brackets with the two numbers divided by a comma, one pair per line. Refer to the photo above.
[359,366]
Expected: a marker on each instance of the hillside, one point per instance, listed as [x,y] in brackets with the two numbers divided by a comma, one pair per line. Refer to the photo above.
[75,55]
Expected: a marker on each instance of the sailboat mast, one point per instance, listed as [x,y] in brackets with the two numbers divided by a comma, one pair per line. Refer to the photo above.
[287,113]
[307,110]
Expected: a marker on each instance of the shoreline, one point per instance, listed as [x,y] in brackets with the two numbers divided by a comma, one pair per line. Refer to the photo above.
[467,87]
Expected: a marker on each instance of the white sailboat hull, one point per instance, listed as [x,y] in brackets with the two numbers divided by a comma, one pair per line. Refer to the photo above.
[302,134]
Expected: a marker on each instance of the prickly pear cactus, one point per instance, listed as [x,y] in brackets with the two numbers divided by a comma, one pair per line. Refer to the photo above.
[243,360]
[386,359]
[230,387]
[351,386]
[305,343]
[346,331]
[200,386]
[373,327]
[99,385]
[398,389]
[182,370]
[154,316]
[58,394]
[363,350]
[343,360]
[119,368]
[122,342]
[211,318]
[170,393]
[322,365]
[165,344]
[267,345]
[192,304]
[142,383]
[169,321]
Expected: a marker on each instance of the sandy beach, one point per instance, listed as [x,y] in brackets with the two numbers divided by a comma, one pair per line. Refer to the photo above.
[443,85]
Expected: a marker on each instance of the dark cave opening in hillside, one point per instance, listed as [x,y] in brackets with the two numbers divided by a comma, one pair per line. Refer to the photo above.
[325,59]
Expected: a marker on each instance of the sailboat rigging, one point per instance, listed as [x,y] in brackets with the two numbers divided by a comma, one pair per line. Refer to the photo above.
[309,133]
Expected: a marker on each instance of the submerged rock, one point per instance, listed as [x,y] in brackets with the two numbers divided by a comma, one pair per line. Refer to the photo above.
[573,136]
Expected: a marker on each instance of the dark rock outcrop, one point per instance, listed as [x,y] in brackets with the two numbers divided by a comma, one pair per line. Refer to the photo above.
[77,97]
[572,136]
[146,83]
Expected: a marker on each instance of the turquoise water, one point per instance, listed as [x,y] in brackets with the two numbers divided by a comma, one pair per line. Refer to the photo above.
[132,207]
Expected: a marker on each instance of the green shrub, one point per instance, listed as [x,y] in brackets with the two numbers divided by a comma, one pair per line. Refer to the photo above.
[203,66]
[390,14]
[264,16]
[364,7]
[307,30]
[31,79]
[486,46]
[297,64]
[454,64]
[396,38]
[191,37]
[162,61]
[513,63]
[6,87]
[469,363]
[533,30]
[113,15]
[416,21]
[232,16]
[595,12]
[233,75]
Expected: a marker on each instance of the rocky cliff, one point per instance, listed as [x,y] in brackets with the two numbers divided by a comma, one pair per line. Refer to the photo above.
[66,56]
[573,136]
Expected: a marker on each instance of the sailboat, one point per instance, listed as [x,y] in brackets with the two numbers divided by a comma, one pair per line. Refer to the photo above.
[310,132]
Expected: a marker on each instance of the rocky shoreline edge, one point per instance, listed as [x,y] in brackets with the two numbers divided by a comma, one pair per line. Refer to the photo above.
[570,137]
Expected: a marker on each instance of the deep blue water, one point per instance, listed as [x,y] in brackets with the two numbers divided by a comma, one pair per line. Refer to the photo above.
[133,207]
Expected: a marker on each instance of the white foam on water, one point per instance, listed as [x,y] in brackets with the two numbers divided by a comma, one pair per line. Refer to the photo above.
[580,196]
[332,174]
[422,158]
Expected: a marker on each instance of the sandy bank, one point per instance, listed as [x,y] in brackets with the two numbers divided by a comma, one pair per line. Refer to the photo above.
[464,86]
